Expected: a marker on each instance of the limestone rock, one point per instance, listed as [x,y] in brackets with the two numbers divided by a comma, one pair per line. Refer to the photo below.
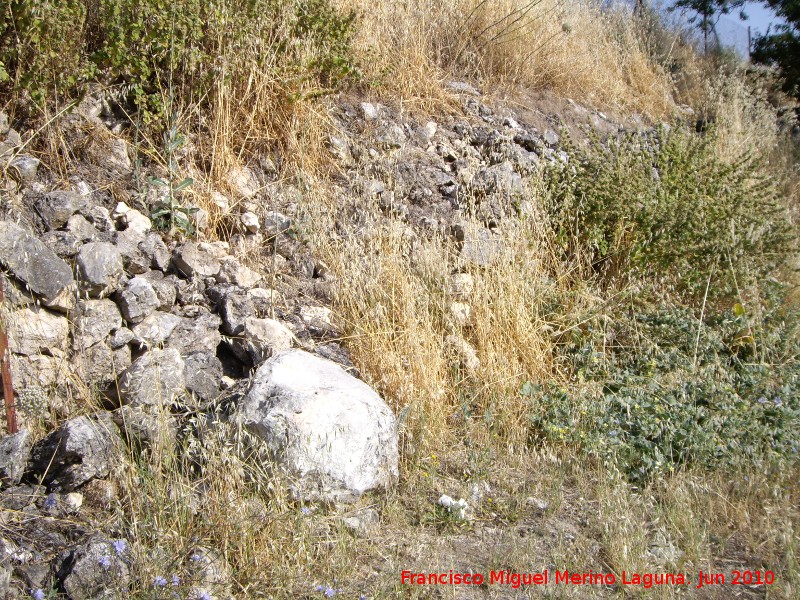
[203,373]
[35,265]
[57,207]
[232,271]
[81,449]
[461,286]
[14,452]
[37,332]
[197,260]
[155,329]
[328,428]
[95,570]
[99,268]
[466,354]
[261,338]
[200,333]
[154,378]
[95,320]
[137,300]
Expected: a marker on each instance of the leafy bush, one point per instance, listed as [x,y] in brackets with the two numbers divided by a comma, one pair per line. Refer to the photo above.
[661,389]
[664,205]
[52,47]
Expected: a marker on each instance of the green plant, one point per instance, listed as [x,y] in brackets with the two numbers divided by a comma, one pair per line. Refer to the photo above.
[167,213]
[671,390]
[663,205]
[52,48]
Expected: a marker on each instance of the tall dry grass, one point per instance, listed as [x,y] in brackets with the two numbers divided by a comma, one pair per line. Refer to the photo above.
[569,46]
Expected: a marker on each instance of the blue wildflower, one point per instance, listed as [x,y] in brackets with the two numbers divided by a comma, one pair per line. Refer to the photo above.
[203,596]
[119,546]
[50,501]
[305,510]
[104,561]
[330,592]
[778,401]
[176,581]
[159,581]
[195,557]
[762,400]
[37,594]
[319,588]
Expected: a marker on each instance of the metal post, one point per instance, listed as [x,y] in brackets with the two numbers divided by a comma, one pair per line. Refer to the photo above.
[5,371]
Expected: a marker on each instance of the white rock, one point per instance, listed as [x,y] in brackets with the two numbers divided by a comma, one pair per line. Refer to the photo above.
[327,427]
[466,354]
[37,332]
[250,222]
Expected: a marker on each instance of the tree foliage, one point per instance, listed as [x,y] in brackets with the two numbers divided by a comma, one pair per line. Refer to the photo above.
[782,47]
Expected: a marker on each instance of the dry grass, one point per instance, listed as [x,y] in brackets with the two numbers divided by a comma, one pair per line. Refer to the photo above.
[570,47]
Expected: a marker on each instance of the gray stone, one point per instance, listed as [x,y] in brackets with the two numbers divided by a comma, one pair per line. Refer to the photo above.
[464,352]
[147,426]
[99,365]
[100,218]
[156,251]
[130,219]
[234,309]
[78,226]
[155,329]
[164,287]
[81,449]
[461,285]
[57,207]
[198,334]
[95,570]
[250,222]
[197,260]
[391,137]
[121,337]
[155,378]
[551,138]
[134,260]
[35,265]
[95,320]
[63,243]
[26,166]
[362,521]
[319,321]
[276,223]
[99,268]
[232,271]
[203,373]
[326,427]
[137,300]
[14,452]
[481,247]
[462,87]
[37,332]
[243,182]
[37,372]
[261,338]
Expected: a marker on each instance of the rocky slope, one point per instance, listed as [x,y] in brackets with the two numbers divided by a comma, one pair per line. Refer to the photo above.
[124,336]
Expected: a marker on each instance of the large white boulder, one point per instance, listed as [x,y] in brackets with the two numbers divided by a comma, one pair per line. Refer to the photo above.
[328,428]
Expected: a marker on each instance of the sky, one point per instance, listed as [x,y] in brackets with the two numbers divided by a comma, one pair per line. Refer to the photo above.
[733,31]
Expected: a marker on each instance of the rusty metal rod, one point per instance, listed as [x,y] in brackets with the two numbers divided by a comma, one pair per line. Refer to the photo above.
[5,371]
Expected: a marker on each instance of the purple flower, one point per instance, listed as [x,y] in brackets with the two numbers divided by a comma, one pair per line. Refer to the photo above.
[778,401]
[195,557]
[104,561]
[159,581]
[305,510]
[176,581]
[37,594]
[762,400]
[330,592]
[119,546]
[319,588]
[50,502]
[203,596]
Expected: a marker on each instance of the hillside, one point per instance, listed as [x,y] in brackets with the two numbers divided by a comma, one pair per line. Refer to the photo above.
[323,298]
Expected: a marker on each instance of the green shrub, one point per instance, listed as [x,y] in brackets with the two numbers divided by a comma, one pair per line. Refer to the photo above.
[50,48]
[664,206]
[665,390]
